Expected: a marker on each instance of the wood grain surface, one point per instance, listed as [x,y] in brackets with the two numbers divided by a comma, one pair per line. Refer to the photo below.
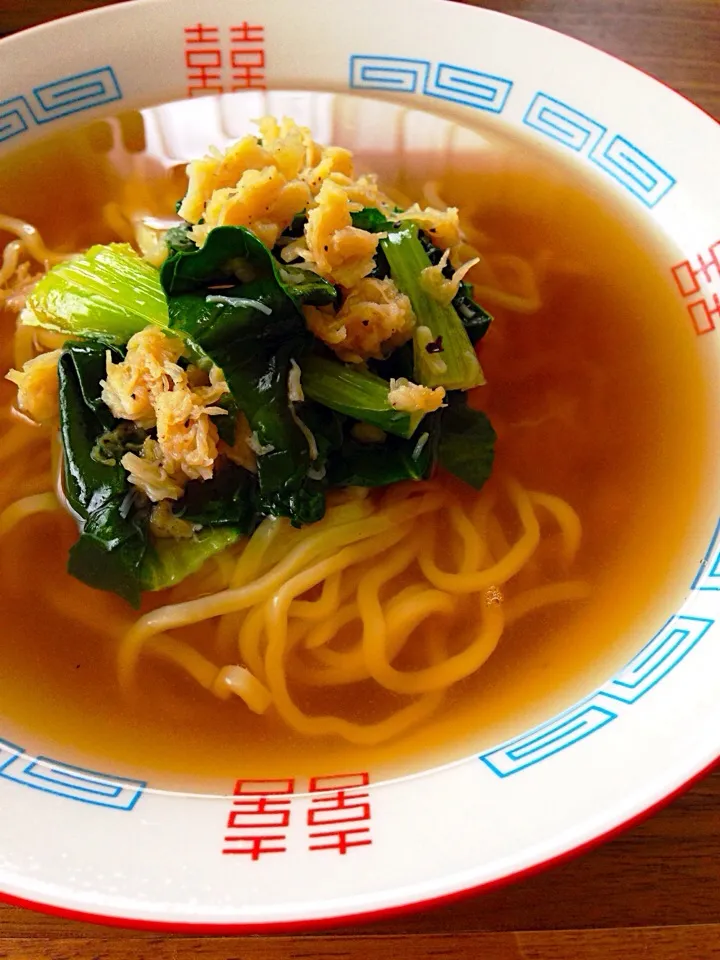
[652,893]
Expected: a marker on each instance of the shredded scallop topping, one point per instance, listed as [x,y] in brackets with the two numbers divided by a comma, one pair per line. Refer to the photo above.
[413,397]
[151,388]
[443,226]
[441,288]
[37,385]
[374,319]
[263,182]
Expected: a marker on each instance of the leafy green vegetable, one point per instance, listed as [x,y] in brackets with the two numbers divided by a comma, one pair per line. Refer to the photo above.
[228,499]
[254,352]
[407,260]
[111,550]
[236,306]
[252,331]
[113,538]
[371,219]
[226,423]
[169,562]
[83,418]
[326,426]
[108,293]
[474,318]
[233,255]
[114,551]
[467,442]
[356,393]
[379,464]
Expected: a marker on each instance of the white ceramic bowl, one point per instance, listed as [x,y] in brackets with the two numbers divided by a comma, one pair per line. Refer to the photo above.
[121,850]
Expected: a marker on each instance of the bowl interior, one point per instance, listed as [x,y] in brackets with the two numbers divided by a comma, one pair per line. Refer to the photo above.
[614,217]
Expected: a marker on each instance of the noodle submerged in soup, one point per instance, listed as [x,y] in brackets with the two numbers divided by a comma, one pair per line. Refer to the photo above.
[373,620]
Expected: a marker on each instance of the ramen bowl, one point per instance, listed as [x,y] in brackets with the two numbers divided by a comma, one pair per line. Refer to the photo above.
[568,740]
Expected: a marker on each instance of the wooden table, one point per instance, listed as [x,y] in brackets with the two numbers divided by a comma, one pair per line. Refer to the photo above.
[655,891]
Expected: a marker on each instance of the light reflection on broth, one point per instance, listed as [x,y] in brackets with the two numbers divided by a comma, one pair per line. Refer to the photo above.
[596,397]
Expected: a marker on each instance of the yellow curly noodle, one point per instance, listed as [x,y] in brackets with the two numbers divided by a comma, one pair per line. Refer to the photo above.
[290,597]
[27,479]
[408,588]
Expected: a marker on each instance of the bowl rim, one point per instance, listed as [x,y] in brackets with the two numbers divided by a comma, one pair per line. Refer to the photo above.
[368,916]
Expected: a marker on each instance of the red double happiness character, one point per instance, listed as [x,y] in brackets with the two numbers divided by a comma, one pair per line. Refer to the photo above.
[259,818]
[339,812]
[203,60]
[247,56]
[689,277]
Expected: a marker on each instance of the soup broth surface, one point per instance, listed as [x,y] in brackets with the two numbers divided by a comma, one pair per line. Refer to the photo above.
[596,396]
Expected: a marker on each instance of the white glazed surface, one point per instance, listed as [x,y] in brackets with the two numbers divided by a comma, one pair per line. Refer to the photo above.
[89,842]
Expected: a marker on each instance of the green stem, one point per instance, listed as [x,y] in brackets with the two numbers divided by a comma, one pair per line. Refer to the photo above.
[356,393]
[407,260]
[108,293]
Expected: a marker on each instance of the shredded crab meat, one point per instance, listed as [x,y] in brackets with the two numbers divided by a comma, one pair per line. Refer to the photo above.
[442,226]
[313,451]
[148,473]
[149,234]
[261,183]
[441,288]
[295,390]
[413,397]
[152,389]
[37,383]
[338,251]
[374,319]
[262,200]
[150,367]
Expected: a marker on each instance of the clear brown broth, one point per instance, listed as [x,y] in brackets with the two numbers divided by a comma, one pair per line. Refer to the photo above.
[597,397]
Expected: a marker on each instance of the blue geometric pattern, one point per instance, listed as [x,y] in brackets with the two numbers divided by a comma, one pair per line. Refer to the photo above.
[474,89]
[708,576]
[63,780]
[15,117]
[8,753]
[387,73]
[668,647]
[550,738]
[634,170]
[560,122]
[617,156]
[445,81]
[73,94]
